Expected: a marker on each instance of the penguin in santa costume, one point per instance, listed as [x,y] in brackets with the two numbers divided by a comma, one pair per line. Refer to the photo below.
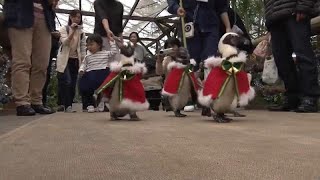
[180,84]
[123,88]
[227,85]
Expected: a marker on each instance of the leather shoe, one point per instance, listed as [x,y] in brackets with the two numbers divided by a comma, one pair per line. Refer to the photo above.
[42,109]
[290,103]
[308,105]
[25,110]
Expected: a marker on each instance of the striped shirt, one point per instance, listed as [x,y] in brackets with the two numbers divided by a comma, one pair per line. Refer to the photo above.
[99,60]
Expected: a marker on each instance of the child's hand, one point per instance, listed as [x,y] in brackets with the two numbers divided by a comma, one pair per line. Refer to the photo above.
[81,73]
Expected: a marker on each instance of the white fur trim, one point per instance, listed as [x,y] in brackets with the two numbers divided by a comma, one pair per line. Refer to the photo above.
[241,57]
[138,68]
[204,100]
[245,98]
[175,64]
[115,66]
[193,62]
[134,106]
[213,62]
[165,93]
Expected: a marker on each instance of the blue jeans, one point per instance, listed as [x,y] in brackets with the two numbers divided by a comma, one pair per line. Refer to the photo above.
[67,82]
[203,45]
[90,82]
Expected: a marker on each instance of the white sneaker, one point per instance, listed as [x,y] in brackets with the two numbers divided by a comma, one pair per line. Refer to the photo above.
[189,108]
[101,107]
[69,110]
[90,109]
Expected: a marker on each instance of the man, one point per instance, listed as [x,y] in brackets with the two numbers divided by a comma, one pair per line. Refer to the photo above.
[289,24]
[30,24]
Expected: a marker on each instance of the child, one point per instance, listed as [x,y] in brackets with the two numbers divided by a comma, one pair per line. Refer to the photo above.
[94,69]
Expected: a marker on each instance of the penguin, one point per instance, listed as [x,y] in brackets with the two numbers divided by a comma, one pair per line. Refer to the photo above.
[122,88]
[227,85]
[180,84]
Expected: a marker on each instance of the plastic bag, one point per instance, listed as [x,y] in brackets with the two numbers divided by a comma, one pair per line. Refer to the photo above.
[270,71]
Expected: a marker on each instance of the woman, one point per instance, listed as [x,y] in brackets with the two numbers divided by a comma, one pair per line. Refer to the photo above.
[139,51]
[71,54]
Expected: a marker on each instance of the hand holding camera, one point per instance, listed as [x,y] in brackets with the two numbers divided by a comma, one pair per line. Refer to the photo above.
[74,26]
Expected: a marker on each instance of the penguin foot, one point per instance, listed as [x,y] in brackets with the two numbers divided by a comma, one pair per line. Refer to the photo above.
[221,118]
[237,114]
[113,117]
[178,114]
[134,117]
[206,112]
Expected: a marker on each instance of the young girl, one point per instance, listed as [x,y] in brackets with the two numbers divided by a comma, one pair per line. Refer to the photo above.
[94,69]
[70,55]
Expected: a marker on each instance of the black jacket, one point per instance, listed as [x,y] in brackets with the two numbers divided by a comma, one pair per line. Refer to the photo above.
[277,10]
[19,14]
[111,10]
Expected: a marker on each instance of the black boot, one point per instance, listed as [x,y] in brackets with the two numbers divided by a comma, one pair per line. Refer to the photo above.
[221,118]
[177,113]
[289,103]
[42,109]
[308,105]
[25,110]
[134,117]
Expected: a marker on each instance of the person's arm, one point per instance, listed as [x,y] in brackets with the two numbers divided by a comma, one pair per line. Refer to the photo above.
[98,8]
[65,37]
[83,65]
[83,47]
[113,50]
[222,10]
[173,6]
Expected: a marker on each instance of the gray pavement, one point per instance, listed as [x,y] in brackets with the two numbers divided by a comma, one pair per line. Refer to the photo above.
[263,145]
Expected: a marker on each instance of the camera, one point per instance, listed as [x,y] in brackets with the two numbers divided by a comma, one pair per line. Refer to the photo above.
[166,51]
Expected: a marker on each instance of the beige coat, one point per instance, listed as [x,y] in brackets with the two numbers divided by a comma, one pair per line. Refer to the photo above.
[64,50]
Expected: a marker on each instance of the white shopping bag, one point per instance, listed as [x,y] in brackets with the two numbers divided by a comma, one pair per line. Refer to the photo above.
[270,71]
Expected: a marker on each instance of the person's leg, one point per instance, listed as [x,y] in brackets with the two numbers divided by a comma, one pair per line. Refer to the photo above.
[195,47]
[41,46]
[65,84]
[21,43]
[74,68]
[299,36]
[282,52]
[45,87]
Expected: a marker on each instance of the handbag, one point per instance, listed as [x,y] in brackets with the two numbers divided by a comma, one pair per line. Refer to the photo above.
[262,49]
[270,71]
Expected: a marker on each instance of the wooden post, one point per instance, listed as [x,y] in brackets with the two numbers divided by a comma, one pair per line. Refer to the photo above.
[182,26]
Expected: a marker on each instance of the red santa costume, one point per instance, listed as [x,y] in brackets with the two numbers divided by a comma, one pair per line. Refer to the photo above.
[221,71]
[174,80]
[131,91]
